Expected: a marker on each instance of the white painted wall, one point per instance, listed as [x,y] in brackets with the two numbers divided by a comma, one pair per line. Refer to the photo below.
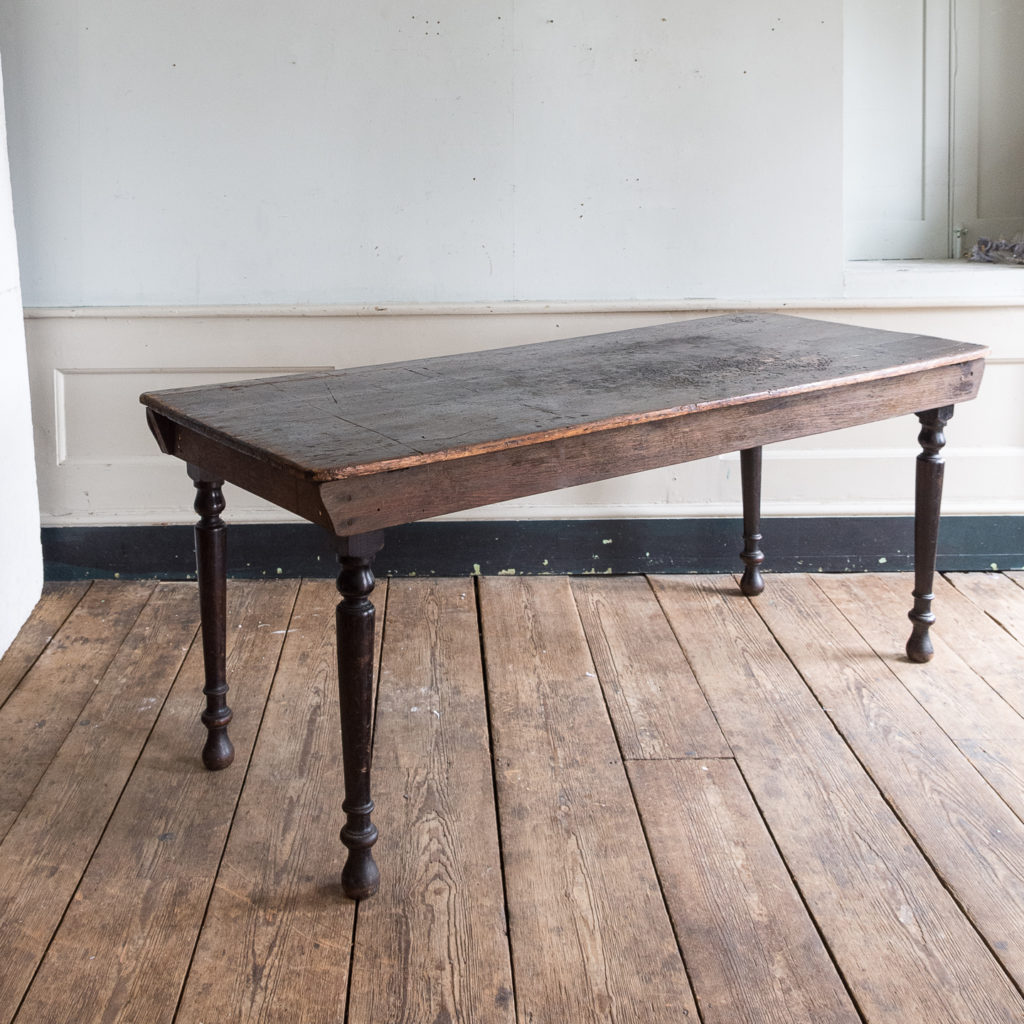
[896,103]
[211,190]
[196,153]
[20,553]
[933,125]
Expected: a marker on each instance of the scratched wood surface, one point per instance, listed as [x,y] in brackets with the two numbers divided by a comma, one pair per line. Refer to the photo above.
[359,450]
[332,424]
[624,800]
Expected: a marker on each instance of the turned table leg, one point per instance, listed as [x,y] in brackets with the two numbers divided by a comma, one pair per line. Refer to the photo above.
[360,877]
[927,502]
[211,569]
[750,477]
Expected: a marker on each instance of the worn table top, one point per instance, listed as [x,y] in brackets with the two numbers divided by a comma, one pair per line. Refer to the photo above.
[360,422]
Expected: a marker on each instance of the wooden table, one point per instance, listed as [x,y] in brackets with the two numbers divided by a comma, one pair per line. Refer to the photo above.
[359,450]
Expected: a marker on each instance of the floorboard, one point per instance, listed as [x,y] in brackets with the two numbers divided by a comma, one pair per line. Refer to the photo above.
[968,706]
[46,851]
[873,894]
[624,800]
[994,594]
[37,717]
[432,945]
[655,704]
[753,952]
[54,606]
[277,935]
[126,940]
[971,837]
[591,938]
[984,645]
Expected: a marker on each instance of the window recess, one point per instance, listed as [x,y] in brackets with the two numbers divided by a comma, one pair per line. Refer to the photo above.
[933,125]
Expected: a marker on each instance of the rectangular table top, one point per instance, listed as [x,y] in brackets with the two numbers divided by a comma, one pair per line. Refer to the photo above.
[356,422]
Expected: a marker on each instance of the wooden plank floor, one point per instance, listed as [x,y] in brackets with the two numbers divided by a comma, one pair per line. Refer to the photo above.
[622,800]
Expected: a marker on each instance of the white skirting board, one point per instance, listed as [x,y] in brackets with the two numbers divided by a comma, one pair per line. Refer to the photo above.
[98,465]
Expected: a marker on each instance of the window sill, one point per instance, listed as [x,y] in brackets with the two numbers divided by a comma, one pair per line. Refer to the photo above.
[938,282]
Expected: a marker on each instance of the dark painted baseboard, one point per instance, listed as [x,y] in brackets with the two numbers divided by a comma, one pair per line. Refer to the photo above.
[531,547]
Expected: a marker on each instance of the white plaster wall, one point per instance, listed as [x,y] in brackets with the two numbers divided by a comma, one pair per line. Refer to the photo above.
[211,190]
[196,153]
[20,552]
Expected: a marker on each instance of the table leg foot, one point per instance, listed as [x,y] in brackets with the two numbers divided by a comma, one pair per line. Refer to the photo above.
[360,877]
[927,504]
[752,582]
[211,570]
[919,646]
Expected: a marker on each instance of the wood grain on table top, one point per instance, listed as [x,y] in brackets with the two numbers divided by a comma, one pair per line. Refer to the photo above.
[352,422]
